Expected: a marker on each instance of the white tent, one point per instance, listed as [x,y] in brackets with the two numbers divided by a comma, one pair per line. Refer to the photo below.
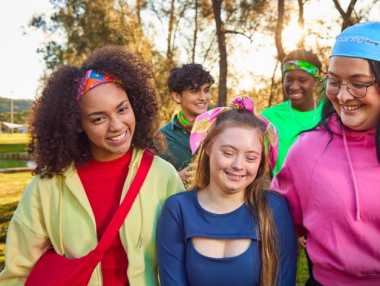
[14,126]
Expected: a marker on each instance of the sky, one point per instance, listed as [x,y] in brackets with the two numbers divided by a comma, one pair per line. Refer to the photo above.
[22,66]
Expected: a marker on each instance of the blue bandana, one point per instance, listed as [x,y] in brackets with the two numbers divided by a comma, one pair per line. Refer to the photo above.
[359,41]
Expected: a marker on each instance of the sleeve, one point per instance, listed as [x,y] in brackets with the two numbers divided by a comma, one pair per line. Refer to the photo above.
[171,246]
[26,239]
[287,243]
[287,184]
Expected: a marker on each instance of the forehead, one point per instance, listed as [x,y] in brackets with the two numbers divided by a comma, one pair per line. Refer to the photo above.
[241,138]
[297,74]
[348,67]
[103,97]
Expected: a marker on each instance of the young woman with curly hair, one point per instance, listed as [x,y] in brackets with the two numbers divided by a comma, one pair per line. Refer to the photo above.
[89,130]
[229,230]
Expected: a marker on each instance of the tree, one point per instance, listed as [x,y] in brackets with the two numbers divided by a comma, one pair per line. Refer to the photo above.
[220,33]
[347,16]
[86,25]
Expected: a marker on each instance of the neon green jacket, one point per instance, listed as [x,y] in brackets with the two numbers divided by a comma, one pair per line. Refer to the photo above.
[56,212]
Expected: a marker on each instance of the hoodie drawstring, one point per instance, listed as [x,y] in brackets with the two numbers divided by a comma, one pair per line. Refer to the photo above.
[353,175]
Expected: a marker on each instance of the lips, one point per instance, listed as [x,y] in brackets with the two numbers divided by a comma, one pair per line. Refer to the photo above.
[233,176]
[118,139]
[296,95]
[351,108]
[201,105]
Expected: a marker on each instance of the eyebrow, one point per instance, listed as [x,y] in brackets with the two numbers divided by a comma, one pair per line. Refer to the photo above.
[230,146]
[102,112]
[358,75]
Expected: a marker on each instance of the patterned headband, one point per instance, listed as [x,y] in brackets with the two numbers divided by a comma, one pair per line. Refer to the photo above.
[301,65]
[206,120]
[93,79]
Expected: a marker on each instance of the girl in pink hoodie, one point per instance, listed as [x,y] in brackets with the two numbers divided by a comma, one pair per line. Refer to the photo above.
[331,177]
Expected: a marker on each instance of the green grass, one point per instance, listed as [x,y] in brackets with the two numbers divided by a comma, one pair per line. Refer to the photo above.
[302,270]
[13,148]
[11,188]
[11,164]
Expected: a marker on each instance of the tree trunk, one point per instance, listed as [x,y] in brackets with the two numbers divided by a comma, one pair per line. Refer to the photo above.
[270,100]
[222,96]
[138,11]
[195,34]
[278,31]
[301,24]
[169,51]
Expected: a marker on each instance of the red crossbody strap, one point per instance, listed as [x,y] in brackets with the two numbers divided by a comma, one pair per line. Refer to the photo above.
[120,215]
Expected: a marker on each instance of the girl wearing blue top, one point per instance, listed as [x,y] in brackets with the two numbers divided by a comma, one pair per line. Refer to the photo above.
[229,229]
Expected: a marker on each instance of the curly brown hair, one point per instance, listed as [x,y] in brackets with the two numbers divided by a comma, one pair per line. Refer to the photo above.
[57,139]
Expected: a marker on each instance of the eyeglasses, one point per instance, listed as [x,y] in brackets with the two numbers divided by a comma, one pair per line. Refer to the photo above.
[357,90]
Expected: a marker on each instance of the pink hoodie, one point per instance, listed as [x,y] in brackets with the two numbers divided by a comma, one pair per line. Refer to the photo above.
[333,188]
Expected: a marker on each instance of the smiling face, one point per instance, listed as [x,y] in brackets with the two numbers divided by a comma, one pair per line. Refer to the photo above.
[234,156]
[299,87]
[108,120]
[355,113]
[193,102]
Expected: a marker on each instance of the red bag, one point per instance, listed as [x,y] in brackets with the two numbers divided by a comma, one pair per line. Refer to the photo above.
[56,270]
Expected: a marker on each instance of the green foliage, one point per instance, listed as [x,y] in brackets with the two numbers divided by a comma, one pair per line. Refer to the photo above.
[86,25]
[19,105]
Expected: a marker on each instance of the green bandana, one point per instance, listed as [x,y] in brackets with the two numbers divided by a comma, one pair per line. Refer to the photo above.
[183,120]
[301,65]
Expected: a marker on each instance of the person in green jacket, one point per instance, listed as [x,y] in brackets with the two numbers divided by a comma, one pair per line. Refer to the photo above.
[302,110]
[89,129]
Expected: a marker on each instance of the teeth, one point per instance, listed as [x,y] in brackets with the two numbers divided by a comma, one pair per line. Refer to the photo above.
[351,107]
[117,138]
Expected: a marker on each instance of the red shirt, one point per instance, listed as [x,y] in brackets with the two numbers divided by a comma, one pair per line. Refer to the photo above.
[103,183]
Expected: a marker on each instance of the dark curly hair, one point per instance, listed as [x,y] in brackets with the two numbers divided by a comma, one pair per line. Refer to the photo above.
[188,77]
[57,139]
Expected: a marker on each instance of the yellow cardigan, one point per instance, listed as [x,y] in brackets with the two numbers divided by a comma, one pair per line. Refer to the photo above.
[56,212]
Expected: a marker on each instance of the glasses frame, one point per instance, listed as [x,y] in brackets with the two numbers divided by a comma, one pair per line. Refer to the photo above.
[349,87]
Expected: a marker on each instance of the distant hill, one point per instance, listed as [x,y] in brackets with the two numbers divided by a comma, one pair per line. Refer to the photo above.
[18,104]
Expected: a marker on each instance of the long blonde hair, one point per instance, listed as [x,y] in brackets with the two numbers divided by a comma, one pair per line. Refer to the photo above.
[255,192]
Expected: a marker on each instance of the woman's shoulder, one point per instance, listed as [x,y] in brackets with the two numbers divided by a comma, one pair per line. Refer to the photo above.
[274,199]
[309,142]
[185,198]
[278,205]
[163,165]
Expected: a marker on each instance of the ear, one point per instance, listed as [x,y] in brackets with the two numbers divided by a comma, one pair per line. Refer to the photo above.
[176,97]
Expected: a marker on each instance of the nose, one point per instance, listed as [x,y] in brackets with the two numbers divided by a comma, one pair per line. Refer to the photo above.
[343,93]
[294,85]
[237,163]
[116,124]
